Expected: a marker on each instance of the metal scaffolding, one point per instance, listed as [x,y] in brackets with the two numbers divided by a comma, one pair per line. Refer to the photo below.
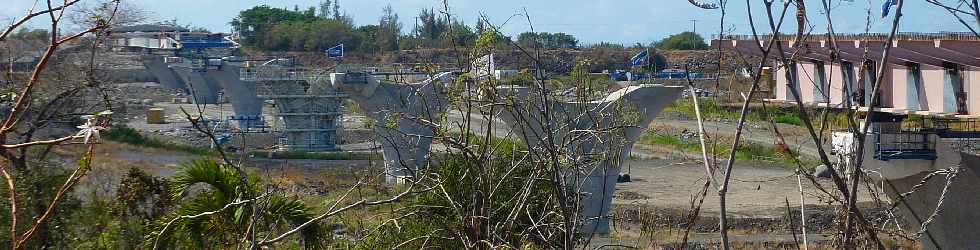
[308,110]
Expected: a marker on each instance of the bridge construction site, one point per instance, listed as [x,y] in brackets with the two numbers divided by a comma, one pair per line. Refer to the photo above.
[301,107]
[541,125]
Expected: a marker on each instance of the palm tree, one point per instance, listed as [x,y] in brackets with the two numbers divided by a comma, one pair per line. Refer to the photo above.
[204,186]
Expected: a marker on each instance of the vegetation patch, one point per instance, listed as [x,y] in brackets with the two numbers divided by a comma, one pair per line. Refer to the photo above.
[437,215]
[316,155]
[125,134]
[710,109]
[746,151]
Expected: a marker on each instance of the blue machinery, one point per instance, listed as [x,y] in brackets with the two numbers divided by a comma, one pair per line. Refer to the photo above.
[200,50]
[249,123]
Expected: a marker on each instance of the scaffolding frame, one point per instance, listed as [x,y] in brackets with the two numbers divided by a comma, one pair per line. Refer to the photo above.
[310,114]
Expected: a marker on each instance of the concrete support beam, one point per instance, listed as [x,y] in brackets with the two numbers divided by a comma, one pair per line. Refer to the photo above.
[931,52]
[399,110]
[969,48]
[824,48]
[165,76]
[810,51]
[241,94]
[856,49]
[597,183]
[202,90]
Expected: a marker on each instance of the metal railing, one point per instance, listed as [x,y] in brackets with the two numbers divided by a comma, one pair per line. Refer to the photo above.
[904,145]
[946,127]
[274,73]
[916,137]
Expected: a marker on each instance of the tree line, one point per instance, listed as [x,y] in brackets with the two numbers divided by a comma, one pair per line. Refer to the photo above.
[318,28]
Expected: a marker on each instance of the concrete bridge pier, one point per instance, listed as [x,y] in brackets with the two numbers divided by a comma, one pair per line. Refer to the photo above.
[898,159]
[242,95]
[633,106]
[309,114]
[405,142]
[202,90]
[164,75]
[405,148]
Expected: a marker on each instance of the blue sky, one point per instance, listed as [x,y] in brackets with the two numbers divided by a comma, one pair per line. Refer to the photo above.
[619,21]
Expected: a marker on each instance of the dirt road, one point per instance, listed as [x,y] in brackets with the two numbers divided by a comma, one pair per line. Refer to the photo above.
[755,191]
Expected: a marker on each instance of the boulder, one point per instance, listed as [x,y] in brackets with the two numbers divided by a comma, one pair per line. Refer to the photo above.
[822,171]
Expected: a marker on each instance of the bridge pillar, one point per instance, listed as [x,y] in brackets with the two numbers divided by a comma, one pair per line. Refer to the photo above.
[397,108]
[202,90]
[164,75]
[633,105]
[241,94]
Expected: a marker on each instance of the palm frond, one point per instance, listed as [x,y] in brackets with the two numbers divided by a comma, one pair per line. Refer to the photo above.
[294,212]
[223,180]
[222,186]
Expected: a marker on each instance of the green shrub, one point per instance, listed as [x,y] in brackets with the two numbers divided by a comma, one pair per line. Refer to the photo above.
[682,41]
[316,155]
[746,151]
[709,109]
[125,134]
[784,115]
[434,215]
[40,186]
[788,119]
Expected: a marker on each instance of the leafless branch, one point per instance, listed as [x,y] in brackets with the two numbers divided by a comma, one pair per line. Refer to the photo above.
[31,15]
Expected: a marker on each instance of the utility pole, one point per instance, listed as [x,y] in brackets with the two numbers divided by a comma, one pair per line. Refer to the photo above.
[418,33]
[695,21]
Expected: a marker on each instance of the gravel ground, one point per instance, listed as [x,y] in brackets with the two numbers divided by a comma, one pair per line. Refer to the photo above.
[754,192]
